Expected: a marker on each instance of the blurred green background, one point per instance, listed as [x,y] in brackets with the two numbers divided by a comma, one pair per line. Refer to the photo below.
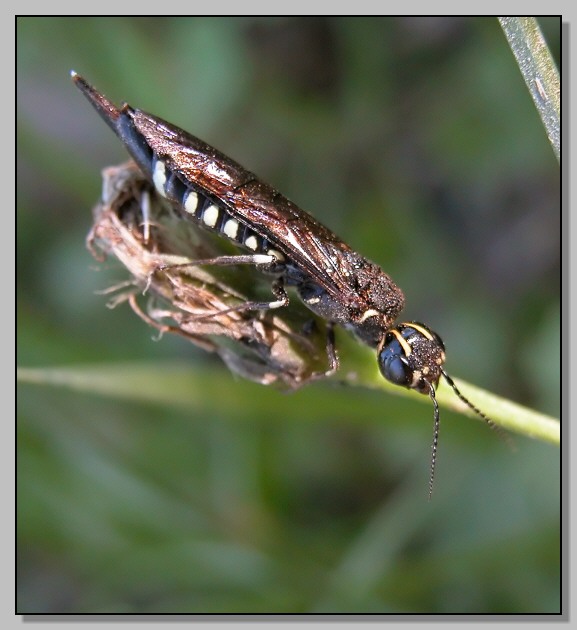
[414,139]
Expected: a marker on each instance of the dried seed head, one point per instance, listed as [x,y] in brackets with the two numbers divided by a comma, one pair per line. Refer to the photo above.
[201,303]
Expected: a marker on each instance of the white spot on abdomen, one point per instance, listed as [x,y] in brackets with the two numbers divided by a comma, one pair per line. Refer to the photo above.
[276,254]
[159,177]
[230,228]
[191,202]
[251,242]
[210,216]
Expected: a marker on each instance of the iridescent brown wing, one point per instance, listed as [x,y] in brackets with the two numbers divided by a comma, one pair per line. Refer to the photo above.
[310,245]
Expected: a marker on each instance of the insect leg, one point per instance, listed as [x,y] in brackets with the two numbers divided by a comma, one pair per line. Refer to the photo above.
[240,259]
[332,355]
[278,291]
[264,261]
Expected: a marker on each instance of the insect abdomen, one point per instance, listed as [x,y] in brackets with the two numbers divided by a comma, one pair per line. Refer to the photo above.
[192,203]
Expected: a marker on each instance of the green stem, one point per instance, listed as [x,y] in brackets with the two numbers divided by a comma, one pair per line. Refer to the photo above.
[176,384]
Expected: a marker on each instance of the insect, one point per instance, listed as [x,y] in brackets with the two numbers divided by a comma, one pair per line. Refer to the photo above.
[331,279]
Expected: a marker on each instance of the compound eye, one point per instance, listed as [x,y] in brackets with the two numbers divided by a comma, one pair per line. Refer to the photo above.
[393,363]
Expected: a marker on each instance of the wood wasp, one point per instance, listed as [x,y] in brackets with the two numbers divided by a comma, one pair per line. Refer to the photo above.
[336,283]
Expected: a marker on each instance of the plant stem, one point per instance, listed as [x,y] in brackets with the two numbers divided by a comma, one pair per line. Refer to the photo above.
[538,70]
